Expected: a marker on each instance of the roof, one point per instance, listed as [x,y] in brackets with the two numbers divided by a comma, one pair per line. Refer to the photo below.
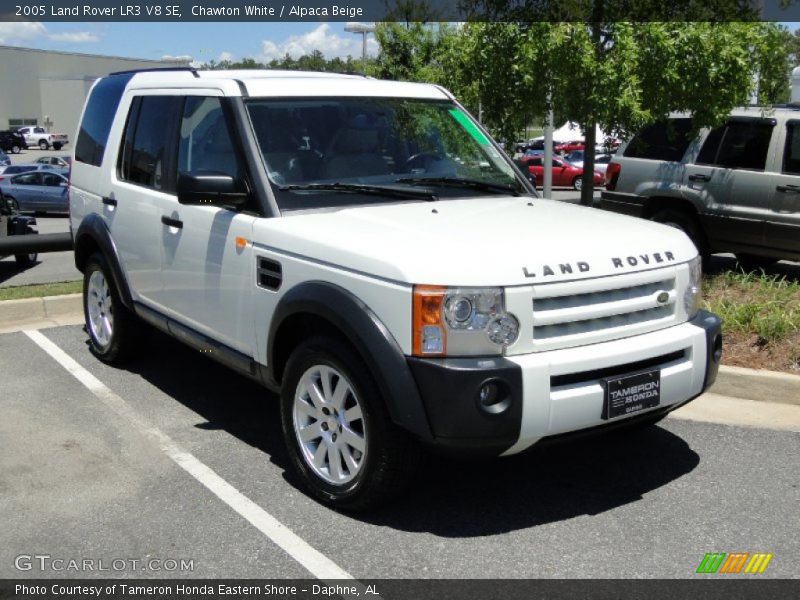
[277,83]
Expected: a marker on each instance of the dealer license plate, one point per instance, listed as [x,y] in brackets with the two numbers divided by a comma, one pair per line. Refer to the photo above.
[631,393]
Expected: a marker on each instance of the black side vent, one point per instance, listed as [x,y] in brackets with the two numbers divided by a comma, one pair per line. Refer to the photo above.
[269,274]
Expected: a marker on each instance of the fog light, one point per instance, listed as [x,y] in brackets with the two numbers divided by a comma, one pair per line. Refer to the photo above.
[488,394]
[494,397]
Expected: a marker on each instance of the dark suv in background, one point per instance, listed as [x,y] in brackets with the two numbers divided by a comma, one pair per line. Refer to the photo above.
[735,188]
[10,141]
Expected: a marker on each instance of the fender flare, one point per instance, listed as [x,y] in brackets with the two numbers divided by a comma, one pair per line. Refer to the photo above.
[371,339]
[95,229]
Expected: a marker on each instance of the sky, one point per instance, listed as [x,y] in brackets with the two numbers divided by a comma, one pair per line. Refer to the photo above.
[202,42]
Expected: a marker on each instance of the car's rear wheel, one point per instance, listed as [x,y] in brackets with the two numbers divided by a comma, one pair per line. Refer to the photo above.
[577,183]
[113,336]
[751,262]
[56,146]
[16,149]
[26,260]
[340,439]
[12,203]
[43,145]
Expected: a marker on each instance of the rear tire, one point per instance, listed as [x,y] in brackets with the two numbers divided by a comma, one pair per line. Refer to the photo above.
[43,145]
[16,149]
[12,203]
[577,183]
[689,225]
[113,334]
[26,260]
[57,146]
[340,439]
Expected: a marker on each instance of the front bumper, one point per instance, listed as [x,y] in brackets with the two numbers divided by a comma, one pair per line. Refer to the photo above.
[546,394]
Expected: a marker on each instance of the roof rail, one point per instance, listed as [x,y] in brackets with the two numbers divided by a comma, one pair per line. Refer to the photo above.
[192,70]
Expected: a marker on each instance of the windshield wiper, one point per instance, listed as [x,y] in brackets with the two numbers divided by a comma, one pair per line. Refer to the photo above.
[362,188]
[475,184]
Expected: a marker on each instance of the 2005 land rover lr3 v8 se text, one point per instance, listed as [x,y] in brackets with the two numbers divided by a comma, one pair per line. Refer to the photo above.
[365,249]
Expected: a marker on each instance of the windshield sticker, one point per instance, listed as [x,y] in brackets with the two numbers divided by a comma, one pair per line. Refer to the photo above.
[469,126]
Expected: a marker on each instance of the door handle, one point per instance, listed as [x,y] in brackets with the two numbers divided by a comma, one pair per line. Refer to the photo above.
[789,189]
[699,177]
[172,222]
[109,201]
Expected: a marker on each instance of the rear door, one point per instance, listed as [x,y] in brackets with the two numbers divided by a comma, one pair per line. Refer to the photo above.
[730,179]
[783,226]
[27,190]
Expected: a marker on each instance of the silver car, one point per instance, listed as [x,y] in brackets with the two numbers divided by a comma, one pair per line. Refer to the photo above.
[36,191]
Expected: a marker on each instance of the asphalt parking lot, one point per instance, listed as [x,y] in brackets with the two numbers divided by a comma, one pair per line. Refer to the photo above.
[176,458]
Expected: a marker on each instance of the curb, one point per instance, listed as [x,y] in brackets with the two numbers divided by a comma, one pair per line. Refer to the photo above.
[736,382]
[757,384]
[48,310]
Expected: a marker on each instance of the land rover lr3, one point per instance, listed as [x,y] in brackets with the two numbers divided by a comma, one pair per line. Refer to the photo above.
[365,249]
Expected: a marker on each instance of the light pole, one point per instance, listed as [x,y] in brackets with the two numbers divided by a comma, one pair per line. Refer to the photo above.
[364,30]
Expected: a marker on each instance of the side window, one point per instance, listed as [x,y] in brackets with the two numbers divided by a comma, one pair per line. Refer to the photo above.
[51,179]
[146,151]
[665,140]
[28,179]
[791,151]
[738,145]
[205,140]
[97,119]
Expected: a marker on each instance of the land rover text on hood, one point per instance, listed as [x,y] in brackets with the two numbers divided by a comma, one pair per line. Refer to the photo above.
[365,249]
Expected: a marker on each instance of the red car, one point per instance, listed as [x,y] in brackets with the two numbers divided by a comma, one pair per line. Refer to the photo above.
[567,147]
[564,173]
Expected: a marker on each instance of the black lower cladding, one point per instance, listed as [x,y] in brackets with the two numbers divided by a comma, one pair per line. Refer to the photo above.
[712,325]
[450,390]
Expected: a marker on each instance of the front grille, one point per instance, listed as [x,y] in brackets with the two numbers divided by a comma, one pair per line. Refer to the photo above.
[611,308]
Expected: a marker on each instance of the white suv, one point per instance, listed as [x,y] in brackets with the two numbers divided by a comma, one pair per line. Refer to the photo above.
[365,249]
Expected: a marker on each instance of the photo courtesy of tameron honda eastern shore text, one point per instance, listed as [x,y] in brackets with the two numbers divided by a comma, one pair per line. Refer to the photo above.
[366,250]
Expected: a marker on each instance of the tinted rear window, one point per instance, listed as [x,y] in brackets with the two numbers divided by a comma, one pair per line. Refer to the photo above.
[665,140]
[98,117]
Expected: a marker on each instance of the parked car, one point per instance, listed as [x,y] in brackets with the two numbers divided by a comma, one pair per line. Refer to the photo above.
[600,160]
[4,159]
[567,147]
[6,170]
[62,162]
[36,191]
[13,223]
[564,172]
[735,188]
[11,141]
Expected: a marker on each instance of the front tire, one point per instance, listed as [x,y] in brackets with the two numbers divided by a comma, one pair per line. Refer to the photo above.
[16,149]
[337,430]
[43,145]
[689,225]
[750,262]
[111,327]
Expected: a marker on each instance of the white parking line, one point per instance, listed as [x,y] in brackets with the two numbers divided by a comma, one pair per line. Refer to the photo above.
[319,565]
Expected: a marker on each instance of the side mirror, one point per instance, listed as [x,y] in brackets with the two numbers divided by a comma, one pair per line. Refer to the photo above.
[209,188]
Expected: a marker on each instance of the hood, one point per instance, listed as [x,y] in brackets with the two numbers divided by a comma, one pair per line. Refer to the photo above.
[490,241]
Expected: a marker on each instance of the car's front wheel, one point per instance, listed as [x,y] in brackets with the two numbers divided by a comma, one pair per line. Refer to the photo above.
[689,225]
[111,327]
[16,149]
[340,439]
[751,262]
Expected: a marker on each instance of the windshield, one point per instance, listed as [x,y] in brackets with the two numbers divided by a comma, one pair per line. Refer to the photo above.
[323,152]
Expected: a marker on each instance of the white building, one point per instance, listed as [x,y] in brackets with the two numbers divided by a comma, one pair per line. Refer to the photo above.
[47,88]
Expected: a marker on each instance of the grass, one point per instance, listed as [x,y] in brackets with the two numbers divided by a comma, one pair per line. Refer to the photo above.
[39,290]
[760,318]
[765,305]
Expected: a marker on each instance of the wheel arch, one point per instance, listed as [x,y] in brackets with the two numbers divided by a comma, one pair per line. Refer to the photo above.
[317,306]
[93,236]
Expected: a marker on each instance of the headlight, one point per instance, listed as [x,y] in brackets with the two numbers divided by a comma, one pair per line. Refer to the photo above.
[461,322]
[692,298]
